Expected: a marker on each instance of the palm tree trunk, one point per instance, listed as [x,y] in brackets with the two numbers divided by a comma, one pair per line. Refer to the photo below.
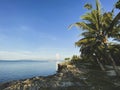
[99,63]
[112,60]
[114,65]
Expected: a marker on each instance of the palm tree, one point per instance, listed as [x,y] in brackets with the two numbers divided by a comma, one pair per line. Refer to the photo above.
[99,27]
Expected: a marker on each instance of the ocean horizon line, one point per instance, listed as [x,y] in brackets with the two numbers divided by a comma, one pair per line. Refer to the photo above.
[28,60]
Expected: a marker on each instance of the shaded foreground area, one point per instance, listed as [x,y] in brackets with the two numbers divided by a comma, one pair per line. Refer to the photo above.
[77,76]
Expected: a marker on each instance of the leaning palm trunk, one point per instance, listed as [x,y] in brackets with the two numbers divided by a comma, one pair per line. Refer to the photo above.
[114,65]
[112,60]
[99,63]
[106,46]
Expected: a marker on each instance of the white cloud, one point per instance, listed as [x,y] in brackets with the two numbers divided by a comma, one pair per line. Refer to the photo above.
[22,55]
[39,54]
[57,56]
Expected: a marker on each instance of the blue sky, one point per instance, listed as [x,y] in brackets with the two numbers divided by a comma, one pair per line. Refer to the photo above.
[38,29]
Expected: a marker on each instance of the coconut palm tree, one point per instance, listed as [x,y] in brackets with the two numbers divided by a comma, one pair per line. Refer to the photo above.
[98,27]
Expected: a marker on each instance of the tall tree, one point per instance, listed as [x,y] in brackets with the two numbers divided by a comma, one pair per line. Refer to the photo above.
[98,27]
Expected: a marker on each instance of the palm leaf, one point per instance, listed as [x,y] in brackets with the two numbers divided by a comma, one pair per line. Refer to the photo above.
[82,25]
[114,21]
[85,41]
[88,6]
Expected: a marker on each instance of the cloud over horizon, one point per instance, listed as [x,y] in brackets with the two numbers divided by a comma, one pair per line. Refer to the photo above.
[22,55]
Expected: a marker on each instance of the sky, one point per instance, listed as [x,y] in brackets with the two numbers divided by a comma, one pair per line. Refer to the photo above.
[38,29]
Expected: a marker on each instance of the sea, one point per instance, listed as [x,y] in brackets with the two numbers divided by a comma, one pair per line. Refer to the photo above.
[22,69]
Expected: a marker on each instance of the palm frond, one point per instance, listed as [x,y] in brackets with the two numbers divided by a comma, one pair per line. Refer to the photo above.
[113,23]
[85,41]
[88,6]
[98,8]
[88,34]
[117,5]
[91,18]
[82,25]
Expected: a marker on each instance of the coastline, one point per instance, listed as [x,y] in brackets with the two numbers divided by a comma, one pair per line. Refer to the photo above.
[65,77]
[68,77]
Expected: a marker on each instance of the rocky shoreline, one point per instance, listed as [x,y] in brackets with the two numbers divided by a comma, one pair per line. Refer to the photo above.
[68,77]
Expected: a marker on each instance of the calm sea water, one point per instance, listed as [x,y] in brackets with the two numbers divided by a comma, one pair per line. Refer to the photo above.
[21,70]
